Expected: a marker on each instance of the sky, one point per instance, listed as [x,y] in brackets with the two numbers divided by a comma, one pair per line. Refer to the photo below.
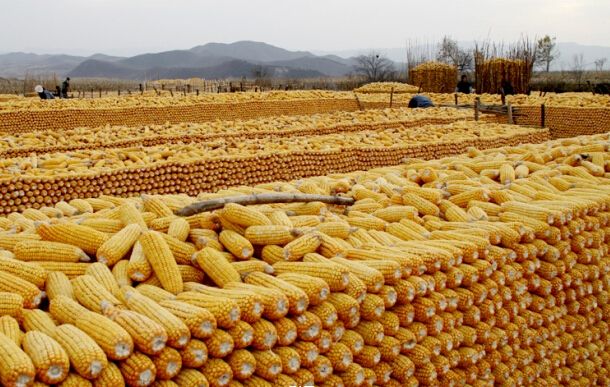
[129,27]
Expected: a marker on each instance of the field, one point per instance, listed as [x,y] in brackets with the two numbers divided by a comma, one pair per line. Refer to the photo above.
[304,238]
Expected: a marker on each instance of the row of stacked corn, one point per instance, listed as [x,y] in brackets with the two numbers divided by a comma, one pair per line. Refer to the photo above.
[387,87]
[46,179]
[26,144]
[491,267]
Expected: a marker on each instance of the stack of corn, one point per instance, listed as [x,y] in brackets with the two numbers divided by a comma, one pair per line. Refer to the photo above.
[434,77]
[46,179]
[490,74]
[487,268]
[26,144]
[386,87]
[34,114]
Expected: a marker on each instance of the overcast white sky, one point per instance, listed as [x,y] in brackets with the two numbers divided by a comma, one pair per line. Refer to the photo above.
[127,27]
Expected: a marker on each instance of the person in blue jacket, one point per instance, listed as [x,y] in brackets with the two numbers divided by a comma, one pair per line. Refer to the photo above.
[420,101]
[43,93]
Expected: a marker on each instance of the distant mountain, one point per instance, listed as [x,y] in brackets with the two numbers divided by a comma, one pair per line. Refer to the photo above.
[249,51]
[212,60]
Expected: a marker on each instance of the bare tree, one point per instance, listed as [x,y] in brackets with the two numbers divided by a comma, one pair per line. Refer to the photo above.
[600,63]
[450,53]
[261,76]
[578,67]
[374,67]
[546,52]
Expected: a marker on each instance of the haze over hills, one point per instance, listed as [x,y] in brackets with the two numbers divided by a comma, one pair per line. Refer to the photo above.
[212,60]
[233,60]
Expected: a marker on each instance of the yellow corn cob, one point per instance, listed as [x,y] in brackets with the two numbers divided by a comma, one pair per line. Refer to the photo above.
[158,253]
[113,339]
[269,235]
[317,289]
[226,311]
[194,355]
[11,304]
[10,328]
[236,244]
[108,226]
[268,364]
[129,214]
[200,321]
[148,336]
[110,376]
[117,246]
[217,372]
[16,368]
[30,272]
[86,357]
[244,216]
[274,302]
[337,280]
[214,264]
[242,334]
[327,314]
[119,271]
[219,344]
[90,293]
[168,363]
[303,377]
[177,331]
[191,378]
[265,335]
[179,229]
[272,254]
[307,243]
[68,209]
[58,284]
[49,358]
[242,363]
[104,276]
[368,357]
[156,205]
[138,268]
[30,294]
[308,352]
[49,251]
[335,229]
[297,298]
[138,370]
[244,268]
[86,238]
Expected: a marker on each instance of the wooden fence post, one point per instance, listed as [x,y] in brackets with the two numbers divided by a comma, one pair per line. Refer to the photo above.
[391,96]
[456,98]
[477,101]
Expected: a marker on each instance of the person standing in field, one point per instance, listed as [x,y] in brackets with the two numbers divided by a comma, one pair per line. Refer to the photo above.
[65,87]
[506,88]
[463,85]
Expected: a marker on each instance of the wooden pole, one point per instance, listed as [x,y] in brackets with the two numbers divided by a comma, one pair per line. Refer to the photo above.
[456,98]
[266,198]
[510,113]
[542,116]
[477,101]
[391,96]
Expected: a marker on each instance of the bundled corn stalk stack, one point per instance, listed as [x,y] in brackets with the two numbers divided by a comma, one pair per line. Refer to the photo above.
[27,144]
[29,115]
[434,77]
[43,180]
[387,87]
[490,74]
[488,268]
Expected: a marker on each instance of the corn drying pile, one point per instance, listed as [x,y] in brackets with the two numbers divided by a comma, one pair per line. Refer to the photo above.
[491,73]
[208,166]
[434,77]
[387,87]
[490,267]
[26,144]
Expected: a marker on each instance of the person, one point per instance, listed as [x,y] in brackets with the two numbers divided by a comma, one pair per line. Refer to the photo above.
[463,85]
[506,88]
[420,101]
[65,87]
[43,93]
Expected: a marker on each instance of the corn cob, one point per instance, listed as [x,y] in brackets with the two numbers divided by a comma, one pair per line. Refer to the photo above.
[110,376]
[317,289]
[179,229]
[217,372]
[321,369]
[336,280]
[215,265]
[244,216]
[194,354]
[49,358]
[168,363]
[138,370]
[158,253]
[219,344]
[86,357]
[148,336]
[225,311]
[30,294]
[244,268]
[236,244]
[117,246]
[177,331]
[48,251]
[191,378]
[307,243]
[11,304]
[86,238]
[243,364]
